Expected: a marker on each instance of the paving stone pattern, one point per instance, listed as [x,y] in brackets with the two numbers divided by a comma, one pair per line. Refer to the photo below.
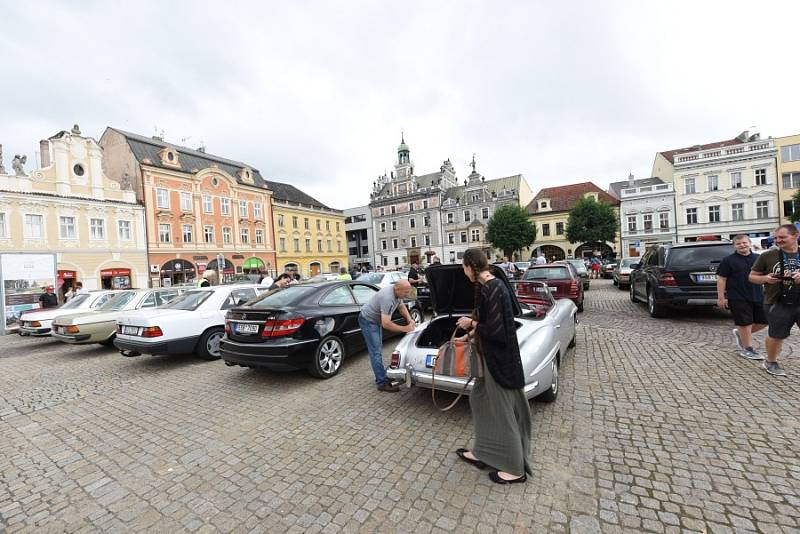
[659,427]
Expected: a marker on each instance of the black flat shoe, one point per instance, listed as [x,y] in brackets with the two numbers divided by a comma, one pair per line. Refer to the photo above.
[494,477]
[476,463]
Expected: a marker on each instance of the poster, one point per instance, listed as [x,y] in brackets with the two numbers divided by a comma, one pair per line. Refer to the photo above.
[24,277]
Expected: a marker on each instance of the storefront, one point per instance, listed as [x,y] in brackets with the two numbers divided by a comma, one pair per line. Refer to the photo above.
[227,273]
[66,280]
[177,272]
[254,266]
[115,279]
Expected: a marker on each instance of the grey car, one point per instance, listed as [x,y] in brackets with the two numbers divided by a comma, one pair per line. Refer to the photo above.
[622,272]
[583,272]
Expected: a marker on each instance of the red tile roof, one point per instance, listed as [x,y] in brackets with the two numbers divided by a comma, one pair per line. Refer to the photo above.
[670,154]
[564,197]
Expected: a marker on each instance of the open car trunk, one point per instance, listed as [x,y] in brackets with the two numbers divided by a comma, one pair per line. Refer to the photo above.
[439,331]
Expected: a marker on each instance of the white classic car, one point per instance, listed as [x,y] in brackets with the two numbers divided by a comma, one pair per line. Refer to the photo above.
[192,323]
[545,329]
[39,322]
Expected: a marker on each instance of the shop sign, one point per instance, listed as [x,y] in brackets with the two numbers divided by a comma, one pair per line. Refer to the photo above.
[114,272]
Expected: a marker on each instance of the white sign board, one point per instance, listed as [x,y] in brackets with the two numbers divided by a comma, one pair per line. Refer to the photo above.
[23,278]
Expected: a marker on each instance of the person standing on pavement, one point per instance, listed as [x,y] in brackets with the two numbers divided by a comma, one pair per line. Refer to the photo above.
[375,316]
[500,412]
[48,299]
[778,270]
[742,298]
[595,266]
[80,290]
[343,274]
[413,275]
[541,260]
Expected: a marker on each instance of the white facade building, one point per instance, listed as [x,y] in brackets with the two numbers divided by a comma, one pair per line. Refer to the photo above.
[360,242]
[647,213]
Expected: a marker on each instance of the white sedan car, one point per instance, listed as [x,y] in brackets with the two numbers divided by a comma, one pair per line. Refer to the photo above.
[192,323]
[39,322]
[383,279]
[545,329]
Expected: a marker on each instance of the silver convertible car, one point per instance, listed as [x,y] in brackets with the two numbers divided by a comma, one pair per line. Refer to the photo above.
[545,329]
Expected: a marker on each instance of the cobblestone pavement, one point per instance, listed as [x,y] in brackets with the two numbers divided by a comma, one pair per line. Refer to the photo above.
[659,427]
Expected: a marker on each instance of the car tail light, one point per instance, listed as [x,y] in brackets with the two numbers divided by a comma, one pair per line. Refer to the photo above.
[152,331]
[666,279]
[573,288]
[395,361]
[36,324]
[280,328]
[227,327]
[119,329]
[72,330]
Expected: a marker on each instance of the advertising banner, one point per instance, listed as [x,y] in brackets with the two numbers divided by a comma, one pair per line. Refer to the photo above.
[23,279]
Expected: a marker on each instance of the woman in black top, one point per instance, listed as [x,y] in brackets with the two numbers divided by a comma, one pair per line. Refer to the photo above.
[500,411]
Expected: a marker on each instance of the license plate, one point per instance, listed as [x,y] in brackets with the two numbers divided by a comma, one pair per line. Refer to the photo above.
[247,329]
[130,330]
[706,277]
[552,289]
[59,330]
[430,361]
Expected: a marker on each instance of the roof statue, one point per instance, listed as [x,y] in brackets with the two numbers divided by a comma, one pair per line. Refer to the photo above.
[2,169]
[17,164]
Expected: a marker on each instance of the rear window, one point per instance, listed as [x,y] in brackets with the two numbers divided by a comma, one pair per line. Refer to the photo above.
[547,273]
[578,264]
[75,301]
[282,297]
[118,302]
[189,301]
[697,256]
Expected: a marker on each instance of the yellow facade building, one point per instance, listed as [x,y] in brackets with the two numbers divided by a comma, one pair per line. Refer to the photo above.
[549,210]
[309,236]
[71,208]
[788,174]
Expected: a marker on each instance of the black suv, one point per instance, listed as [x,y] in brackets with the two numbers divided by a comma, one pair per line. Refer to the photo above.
[671,276]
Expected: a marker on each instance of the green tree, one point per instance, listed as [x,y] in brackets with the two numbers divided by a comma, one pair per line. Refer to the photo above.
[509,229]
[591,221]
[795,216]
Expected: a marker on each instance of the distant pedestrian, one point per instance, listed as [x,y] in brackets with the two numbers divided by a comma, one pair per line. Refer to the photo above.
[436,260]
[743,298]
[541,260]
[48,299]
[80,290]
[266,280]
[68,294]
[779,269]
[500,411]
[595,267]
[413,275]
[375,317]
[343,274]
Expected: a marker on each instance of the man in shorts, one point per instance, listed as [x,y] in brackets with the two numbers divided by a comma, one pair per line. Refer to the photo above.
[742,298]
[778,270]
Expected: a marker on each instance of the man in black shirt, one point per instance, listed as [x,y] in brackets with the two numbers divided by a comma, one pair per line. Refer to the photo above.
[743,298]
[413,275]
[48,299]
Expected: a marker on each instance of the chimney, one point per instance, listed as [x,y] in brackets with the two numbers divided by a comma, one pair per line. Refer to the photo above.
[630,179]
[44,149]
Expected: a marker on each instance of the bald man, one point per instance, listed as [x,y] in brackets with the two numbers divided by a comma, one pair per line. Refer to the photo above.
[377,315]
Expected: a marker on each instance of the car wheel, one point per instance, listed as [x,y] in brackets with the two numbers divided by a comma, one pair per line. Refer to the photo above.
[614,281]
[108,342]
[580,306]
[575,335]
[632,292]
[552,392]
[208,346]
[655,309]
[327,358]
[417,315]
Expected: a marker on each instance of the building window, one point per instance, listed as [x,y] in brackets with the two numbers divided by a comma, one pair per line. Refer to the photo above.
[762,209]
[164,233]
[410,206]
[449,218]
[280,220]
[736,180]
[383,212]
[396,261]
[663,220]
[789,208]
[124,230]
[463,237]
[259,237]
[257,213]
[691,215]
[394,226]
[297,245]
[338,245]
[631,223]
[319,225]
[761,176]
[337,226]
[427,240]
[66,228]
[424,204]
[305,223]
[242,208]
[308,245]
[226,236]
[383,227]
[467,215]
[647,220]
[327,226]
[394,244]
[225,206]
[282,244]
[737,211]
[208,204]
[294,221]
[186,201]
[713,182]
[162,198]
[688,186]
[383,244]
[559,228]
[713,214]
[426,221]
[392,210]
[790,153]
[319,245]
[208,234]
[187,233]
[412,222]
[791,180]
[413,241]
[451,238]
[97,229]
[330,246]
[244,235]
[546,229]
[484,213]
[3,230]
[475,235]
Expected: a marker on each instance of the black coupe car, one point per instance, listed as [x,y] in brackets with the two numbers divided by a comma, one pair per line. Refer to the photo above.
[311,326]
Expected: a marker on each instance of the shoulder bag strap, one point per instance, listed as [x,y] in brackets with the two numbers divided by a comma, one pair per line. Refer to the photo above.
[433,384]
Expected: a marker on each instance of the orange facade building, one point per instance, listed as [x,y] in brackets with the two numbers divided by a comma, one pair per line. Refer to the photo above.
[202,211]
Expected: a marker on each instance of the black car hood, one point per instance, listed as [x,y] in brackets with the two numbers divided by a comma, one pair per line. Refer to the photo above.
[452,292]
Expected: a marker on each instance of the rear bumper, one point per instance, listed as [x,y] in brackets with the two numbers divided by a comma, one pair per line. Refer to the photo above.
[72,338]
[31,331]
[678,296]
[273,354]
[174,346]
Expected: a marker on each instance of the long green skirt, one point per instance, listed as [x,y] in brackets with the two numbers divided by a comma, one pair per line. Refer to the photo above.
[502,419]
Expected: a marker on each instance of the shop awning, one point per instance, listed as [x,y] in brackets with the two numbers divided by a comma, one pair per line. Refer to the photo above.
[253,263]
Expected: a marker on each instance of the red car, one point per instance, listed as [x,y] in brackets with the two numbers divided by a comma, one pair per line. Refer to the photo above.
[562,279]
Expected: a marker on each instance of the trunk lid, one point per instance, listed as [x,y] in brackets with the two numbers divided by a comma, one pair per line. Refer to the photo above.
[453,293]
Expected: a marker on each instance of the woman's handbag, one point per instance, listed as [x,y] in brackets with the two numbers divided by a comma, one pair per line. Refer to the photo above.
[458,359]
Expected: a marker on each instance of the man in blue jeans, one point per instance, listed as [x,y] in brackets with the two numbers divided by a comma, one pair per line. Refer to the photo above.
[377,315]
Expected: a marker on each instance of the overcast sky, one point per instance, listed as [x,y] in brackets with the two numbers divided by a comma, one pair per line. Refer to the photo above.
[316,93]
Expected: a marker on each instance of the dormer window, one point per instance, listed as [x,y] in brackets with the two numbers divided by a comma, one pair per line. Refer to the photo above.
[169,157]
[246,175]
[544,204]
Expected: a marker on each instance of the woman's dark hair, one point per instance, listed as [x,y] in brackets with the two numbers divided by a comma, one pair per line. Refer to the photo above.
[282,276]
[475,259]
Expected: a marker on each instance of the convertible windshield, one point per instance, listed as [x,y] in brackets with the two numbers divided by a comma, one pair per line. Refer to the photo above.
[118,302]
[279,298]
[190,301]
[75,301]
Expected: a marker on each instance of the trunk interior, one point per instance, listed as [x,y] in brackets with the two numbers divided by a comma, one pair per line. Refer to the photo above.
[439,331]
